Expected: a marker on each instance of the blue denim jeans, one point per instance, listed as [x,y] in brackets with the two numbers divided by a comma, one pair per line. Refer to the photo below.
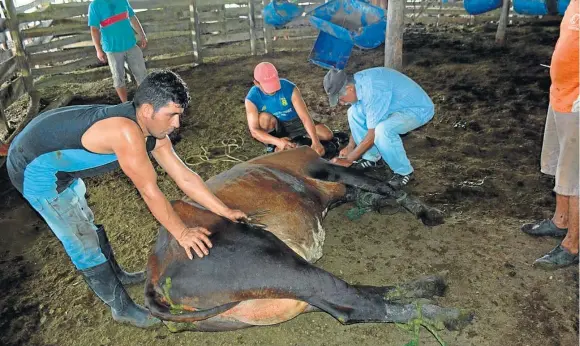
[71,220]
[388,143]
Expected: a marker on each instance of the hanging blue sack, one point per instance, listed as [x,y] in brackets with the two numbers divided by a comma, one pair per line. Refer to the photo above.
[279,13]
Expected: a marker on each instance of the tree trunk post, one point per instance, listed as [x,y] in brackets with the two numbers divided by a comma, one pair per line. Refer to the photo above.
[503,21]
[394,34]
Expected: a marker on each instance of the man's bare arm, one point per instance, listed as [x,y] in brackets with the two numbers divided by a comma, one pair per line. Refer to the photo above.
[96,37]
[367,142]
[189,182]
[136,25]
[304,115]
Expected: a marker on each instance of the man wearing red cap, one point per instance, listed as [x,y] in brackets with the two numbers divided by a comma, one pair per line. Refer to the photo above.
[277,113]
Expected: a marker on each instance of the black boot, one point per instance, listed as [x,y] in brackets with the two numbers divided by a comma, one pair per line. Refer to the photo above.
[126,278]
[103,281]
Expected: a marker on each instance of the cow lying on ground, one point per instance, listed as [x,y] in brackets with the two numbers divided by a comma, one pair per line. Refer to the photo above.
[263,274]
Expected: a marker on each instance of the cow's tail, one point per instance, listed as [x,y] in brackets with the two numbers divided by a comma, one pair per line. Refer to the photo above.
[163,312]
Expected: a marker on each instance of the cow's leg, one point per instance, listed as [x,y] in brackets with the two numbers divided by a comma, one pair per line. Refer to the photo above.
[324,170]
[254,264]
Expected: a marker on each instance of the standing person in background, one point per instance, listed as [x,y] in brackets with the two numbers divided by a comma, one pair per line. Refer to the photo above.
[113,25]
[560,152]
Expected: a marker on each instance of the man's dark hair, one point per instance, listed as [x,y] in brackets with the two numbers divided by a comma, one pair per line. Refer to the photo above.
[161,87]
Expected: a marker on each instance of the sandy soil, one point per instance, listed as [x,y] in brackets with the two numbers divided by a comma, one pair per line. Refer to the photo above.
[478,160]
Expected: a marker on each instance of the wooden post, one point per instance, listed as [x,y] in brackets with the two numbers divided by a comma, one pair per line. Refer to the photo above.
[394,34]
[20,55]
[267,31]
[503,21]
[19,52]
[195,31]
[252,20]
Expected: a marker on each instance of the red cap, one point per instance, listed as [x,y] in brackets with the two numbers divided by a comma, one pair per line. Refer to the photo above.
[267,75]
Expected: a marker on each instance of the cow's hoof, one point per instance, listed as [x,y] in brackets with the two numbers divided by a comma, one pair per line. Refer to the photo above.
[431,216]
[449,318]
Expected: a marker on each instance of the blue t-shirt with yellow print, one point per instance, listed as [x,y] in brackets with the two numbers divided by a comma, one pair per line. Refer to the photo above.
[278,104]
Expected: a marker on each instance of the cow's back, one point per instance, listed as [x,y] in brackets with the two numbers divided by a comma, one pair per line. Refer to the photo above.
[278,184]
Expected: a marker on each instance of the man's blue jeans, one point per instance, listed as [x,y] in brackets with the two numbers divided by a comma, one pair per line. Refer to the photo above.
[388,143]
[71,220]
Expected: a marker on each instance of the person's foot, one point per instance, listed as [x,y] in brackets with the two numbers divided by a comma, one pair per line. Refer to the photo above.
[398,181]
[544,228]
[364,164]
[558,258]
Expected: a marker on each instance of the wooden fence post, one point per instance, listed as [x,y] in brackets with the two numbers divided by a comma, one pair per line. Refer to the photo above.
[503,20]
[22,59]
[267,31]
[252,20]
[195,31]
[19,52]
[394,34]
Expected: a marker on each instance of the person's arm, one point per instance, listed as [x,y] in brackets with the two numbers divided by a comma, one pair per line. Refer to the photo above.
[367,143]
[136,24]
[302,110]
[129,148]
[191,183]
[95,28]
[257,132]
[96,36]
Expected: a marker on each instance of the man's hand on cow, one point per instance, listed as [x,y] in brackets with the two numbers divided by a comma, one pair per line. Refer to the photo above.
[285,144]
[235,215]
[195,238]
[341,162]
[318,147]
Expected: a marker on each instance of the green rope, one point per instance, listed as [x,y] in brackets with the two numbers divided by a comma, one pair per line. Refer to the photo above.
[414,328]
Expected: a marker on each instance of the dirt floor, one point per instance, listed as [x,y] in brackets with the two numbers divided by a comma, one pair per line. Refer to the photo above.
[477,160]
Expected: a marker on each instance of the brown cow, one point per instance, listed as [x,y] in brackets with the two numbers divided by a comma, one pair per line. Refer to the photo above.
[263,274]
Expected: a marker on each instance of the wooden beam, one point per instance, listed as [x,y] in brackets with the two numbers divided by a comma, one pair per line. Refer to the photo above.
[252,27]
[19,51]
[267,34]
[7,69]
[195,31]
[170,62]
[91,61]
[60,56]
[162,26]
[56,11]
[502,25]
[58,43]
[394,34]
[56,30]
[77,77]
[12,92]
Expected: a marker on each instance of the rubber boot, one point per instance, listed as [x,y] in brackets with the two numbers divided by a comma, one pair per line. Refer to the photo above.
[105,284]
[126,278]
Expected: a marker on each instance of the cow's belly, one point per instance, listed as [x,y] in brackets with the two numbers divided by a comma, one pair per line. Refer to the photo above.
[302,231]
[293,207]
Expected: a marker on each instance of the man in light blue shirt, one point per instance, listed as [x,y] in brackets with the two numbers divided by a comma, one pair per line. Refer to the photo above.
[385,104]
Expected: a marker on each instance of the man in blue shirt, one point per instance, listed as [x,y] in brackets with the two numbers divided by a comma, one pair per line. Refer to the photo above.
[277,113]
[112,23]
[384,105]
